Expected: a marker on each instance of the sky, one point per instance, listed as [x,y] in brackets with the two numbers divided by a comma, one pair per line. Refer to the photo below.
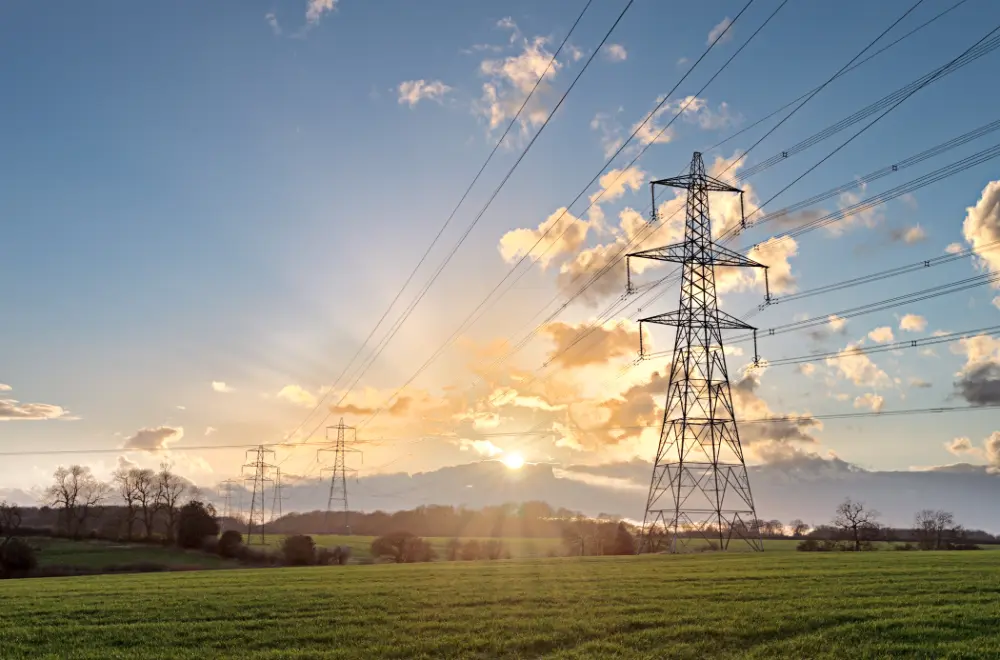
[207,207]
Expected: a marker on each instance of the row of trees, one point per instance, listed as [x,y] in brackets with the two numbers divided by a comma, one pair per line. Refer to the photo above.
[147,501]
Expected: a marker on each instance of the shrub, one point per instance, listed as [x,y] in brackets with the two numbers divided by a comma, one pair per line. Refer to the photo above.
[17,556]
[230,543]
[336,555]
[210,544]
[299,550]
[493,549]
[452,549]
[196,521]
[471,550]
[402,547]
[811,545]
[904,547]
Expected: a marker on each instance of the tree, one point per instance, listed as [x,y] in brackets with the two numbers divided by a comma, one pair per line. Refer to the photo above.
[299,550]
[77,492]
[195,522]
[471,550]
[125,480]
[10,521]
[935,529]
[170,489]
[452,549]
[857,522]
[145,484]
[229,544]
[16,556]
[775,528]
[798,527]
[402,547]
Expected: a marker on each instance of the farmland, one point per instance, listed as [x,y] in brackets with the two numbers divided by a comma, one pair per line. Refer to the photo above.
[778,604]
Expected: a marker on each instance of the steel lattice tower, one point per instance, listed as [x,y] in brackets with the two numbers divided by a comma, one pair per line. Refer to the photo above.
[260,478]
[226,491]
[338,473]
[699,488]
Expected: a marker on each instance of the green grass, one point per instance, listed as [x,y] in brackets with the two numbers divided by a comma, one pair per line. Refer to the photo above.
[775,605]
[361,545]
[99,554]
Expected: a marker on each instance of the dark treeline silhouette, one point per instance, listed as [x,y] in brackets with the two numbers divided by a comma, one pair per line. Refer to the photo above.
[528,519]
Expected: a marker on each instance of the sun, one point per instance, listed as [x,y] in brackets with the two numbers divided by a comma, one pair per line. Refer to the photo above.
[513,461]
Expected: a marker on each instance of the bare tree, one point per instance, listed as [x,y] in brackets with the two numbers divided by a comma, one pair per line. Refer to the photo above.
[170,490]
[857,522]
[935,528]
[78,492]
[798,527]
[146,488]
[10,520]
[775,528]
[124,480]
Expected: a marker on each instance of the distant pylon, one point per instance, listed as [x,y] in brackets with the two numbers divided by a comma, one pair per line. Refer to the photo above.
[261,476]
[338,473]
[277,496]
[699,487]
[226,492]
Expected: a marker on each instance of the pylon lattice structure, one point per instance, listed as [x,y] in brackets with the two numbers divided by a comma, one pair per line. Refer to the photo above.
[699,487]
[226,492]
[337,500]
[261,477]
[277,496]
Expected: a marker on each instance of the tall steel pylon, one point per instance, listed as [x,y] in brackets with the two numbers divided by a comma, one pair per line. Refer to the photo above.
[338,474]
[699,488]
[276,496]
[226,492]
[261,476]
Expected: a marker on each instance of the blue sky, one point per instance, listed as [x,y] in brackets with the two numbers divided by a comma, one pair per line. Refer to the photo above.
[234,192]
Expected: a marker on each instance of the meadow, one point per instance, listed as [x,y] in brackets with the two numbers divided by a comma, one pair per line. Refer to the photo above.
[777,604]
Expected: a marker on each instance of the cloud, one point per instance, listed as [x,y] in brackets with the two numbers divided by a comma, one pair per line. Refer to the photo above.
[881,335]
[869,400]
[959,446]
[481,447]
[919,383]
[719,29]
[221,387]
[982,226]
[806,369]
[908,235]
[913,323]
[272,20]
[11,409]
[857,367]
[317,8]
[412,92]
[5,388]
[509,81]
[748,404]
[560,234]
[682,61]
[989,452]
[954,248]
[209,430]
[837,323]
[297,395]
[979,380]
[606,342]
[156,438]
[615,52]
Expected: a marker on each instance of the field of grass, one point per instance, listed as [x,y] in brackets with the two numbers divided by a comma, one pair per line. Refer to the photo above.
[99,554]
[361,545]
[781,605]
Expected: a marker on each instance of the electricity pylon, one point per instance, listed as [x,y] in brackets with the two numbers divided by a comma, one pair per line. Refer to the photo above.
[226,492]
[277,496]
[699,488]
[261,477]
[338,472]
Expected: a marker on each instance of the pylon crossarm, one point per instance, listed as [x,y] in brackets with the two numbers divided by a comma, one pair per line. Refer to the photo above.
[684,318]
[687,181]
[711,253]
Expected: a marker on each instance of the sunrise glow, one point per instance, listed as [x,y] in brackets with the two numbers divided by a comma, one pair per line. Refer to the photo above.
[513,461]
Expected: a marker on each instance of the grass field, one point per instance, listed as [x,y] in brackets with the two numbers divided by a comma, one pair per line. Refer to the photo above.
[99,554]
[782,605]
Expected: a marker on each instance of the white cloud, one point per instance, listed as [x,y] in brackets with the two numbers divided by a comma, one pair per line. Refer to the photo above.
[837,323]
[954,248]
[209,430]
[858,367]
[869,400]
[982,226]
[919,383]
[615,52]
[272,20]
[5,388]
[881,335]
[682,61]
[959,446]
[719,29]
[563,233]
[317,8]
[11,409]
[511,79]
[481,447]
[806,369]
[297,395]
[913,323]
[181,407]
[412,92]
[154,438]
[909,235]
[220,386]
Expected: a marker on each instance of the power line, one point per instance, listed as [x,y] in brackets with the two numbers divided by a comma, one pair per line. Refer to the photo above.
[447,222]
